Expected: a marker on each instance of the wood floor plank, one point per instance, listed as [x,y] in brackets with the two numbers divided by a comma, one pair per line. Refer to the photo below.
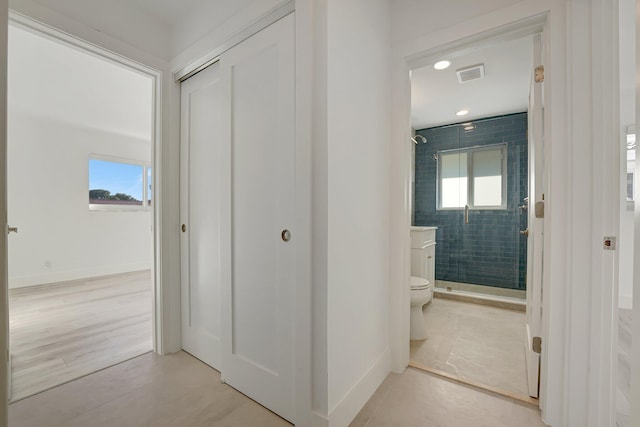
[63,331]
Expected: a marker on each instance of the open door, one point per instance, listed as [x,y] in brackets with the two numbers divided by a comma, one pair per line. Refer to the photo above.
[535,221]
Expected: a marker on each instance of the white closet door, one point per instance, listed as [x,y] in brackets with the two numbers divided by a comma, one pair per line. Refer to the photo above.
[201,139]
[259,289]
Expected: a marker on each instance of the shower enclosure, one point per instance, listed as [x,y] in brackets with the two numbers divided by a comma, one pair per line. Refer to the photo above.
[471,181]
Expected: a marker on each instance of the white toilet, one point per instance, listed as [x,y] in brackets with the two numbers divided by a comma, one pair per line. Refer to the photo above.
[422,277]
[421,293]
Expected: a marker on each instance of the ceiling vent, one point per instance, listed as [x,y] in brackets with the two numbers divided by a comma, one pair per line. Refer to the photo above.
[474,72]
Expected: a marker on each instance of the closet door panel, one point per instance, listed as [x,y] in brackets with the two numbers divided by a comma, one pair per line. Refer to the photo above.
[259,291]
[201,139]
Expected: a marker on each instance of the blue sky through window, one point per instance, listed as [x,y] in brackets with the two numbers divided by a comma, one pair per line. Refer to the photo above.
[116,177]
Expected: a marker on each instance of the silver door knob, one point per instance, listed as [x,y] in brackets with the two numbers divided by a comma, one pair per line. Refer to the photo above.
[12,229]
[286,235]
[525,232]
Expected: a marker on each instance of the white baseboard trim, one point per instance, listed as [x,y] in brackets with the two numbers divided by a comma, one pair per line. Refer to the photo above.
[318,420]
[625,301]
[65,276]
[349,406]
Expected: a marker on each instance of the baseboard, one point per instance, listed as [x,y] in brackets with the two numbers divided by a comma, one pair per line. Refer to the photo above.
[625,301]
[318,420]
[490,300]
[65,276]
[349,406]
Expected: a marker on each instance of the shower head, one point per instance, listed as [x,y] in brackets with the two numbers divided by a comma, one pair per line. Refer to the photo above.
[421,139]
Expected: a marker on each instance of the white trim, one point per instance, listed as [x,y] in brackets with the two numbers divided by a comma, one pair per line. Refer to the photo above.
[67,276]
[255,27]
[304,20]
[5,362]
[50,32]
[318,420]
[346,410]
[635,351]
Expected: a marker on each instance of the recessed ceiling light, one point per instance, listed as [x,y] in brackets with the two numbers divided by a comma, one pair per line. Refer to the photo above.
[462,113]
[441,65]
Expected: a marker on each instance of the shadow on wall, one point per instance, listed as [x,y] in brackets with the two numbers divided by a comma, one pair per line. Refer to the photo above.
[489,250]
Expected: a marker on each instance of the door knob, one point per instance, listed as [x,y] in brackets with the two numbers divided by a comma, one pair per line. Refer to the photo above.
[286,235]
[12,229]
[525,232]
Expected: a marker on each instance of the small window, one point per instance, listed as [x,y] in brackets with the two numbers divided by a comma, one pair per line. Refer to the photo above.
[473,176]
[118,185]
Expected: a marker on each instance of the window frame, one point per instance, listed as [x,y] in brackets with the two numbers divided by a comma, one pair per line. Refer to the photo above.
[146,167]
[470,181]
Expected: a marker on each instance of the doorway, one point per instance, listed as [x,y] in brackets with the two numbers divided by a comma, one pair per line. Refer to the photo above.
[81,200]
[476,115]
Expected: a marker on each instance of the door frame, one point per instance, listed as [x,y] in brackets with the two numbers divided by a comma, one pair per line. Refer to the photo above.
[533,27]
[29,24]
[578,320]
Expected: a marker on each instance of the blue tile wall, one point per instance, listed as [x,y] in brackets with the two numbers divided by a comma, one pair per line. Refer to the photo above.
[489,250]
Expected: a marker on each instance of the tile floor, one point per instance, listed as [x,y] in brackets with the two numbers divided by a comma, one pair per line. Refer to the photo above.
[475,342]
[417,399]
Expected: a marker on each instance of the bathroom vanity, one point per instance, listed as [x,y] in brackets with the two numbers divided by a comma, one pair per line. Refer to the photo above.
[423,253]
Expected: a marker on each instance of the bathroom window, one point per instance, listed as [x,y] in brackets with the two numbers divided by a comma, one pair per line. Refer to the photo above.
[117,185]
[473,176]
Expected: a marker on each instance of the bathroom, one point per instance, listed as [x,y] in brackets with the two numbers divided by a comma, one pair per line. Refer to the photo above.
[472,129]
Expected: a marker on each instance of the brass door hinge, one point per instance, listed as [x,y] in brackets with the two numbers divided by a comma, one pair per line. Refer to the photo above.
[539,209]
[537,345]
[539,74]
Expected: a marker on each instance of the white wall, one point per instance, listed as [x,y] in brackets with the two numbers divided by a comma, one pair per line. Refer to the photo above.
[627,117]
[358,117]
[63,106]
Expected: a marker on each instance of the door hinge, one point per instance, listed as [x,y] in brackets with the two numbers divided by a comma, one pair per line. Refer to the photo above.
[539,209]
[609,243]
[539,74]
[537,345]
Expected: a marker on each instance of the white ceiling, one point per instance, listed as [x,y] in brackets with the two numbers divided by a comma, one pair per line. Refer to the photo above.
[169,11]
[436,95]
[173,11]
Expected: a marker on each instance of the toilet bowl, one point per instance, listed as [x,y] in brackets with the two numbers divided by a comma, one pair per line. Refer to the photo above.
[421,293]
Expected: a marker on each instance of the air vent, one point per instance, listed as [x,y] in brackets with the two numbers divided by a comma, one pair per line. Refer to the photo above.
[470,73]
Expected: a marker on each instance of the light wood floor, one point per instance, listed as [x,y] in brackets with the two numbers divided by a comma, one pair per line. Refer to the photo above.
[179,390]
[63,331]
[624,368]
[150,390]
